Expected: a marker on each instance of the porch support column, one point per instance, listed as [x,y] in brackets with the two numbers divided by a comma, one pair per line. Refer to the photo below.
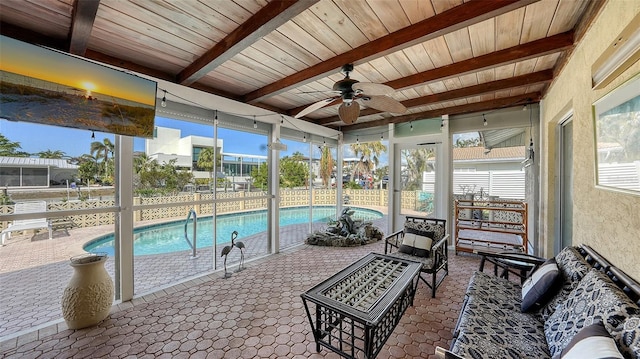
[445,176]
[273,185]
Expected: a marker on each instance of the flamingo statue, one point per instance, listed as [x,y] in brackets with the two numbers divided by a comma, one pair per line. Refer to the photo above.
[241,247]
[226,250]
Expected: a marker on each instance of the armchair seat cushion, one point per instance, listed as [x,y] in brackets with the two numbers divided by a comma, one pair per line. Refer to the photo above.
[427,262]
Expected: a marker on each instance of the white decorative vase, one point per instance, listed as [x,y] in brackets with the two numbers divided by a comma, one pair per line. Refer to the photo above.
[88,297]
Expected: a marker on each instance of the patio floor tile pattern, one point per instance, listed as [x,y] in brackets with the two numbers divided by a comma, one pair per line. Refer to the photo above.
[257,313]
[31,295]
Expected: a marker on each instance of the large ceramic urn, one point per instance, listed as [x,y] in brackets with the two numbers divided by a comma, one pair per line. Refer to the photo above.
[88,297]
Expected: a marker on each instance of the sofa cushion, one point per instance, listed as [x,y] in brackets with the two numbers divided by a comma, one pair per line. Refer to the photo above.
[437,229]
[416,242]
[540,286]
[487,331]
[573,267]
[593,341]
[596,298]
[498,291]
[627,335]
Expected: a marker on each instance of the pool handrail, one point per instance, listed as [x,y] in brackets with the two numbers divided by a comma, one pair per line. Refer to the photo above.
[186,236]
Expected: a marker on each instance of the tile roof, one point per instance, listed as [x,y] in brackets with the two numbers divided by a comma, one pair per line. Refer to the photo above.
[478,153]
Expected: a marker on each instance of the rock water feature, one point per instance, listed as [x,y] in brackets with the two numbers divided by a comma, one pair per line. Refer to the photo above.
[346,232]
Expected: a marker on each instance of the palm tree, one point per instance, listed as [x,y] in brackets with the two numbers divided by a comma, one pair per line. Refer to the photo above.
[417,162]
[369,153]
[57,154]
[206,162]
[326,166]
[10,148]
[101,150]
[143,163]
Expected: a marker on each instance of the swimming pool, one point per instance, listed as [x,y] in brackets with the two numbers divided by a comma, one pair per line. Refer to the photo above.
[169,237]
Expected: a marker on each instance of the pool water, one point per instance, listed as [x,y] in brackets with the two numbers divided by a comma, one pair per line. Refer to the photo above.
[169,237]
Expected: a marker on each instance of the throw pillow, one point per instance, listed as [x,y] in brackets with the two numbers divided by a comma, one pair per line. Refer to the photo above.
[437,229]
[595,299]
[417,243]
[540,286]
[572,267]
[407,243]
[591,342]
[628,337]
[422,242]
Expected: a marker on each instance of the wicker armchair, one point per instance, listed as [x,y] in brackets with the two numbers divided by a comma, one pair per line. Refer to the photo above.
[435,266]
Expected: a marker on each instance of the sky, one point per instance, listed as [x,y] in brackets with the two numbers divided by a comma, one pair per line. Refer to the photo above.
[35,138]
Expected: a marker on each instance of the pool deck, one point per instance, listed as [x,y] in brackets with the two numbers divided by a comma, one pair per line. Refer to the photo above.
[258,313]
[35,270]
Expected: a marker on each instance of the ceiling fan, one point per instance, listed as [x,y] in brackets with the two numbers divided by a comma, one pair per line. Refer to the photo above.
[352,92]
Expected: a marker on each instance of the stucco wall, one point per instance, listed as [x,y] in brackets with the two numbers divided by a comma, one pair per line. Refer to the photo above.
[606,220]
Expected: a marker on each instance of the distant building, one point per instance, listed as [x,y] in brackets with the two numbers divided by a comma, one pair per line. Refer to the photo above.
[35,172]
[470,159]
[497,172]
[168,144]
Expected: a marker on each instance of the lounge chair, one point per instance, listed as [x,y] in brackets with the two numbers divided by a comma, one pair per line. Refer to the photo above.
[28,224]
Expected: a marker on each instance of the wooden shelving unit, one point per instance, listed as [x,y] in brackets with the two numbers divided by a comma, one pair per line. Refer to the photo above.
[490,225]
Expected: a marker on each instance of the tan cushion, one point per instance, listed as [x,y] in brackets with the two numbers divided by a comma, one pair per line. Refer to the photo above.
[416,244]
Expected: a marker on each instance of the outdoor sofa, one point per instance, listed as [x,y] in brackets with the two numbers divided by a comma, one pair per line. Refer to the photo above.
[575,305]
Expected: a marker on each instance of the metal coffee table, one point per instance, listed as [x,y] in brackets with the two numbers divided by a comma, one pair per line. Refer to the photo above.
[357,308]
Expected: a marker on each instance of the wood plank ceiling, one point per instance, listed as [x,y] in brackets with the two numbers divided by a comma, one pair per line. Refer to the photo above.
[441,56]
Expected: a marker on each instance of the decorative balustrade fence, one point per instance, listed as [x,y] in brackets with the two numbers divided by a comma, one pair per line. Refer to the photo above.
[177,206]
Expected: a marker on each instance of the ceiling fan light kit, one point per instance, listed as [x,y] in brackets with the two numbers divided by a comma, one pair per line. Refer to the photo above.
[353,93]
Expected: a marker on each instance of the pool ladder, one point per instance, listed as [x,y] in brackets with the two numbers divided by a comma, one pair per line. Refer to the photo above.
[186,236]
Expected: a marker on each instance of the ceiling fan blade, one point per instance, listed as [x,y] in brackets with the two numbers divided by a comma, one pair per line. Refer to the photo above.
[383,103]
[314,106]
[314,92]
[349,112]
[372,89]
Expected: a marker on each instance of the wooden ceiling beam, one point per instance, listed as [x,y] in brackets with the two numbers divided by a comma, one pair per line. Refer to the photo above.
[127,65]
[537,48]
[455,110]
[476,90]
[454,19]
[545,46]
[592,10]
[32,37]
[82,18]
[266,20]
